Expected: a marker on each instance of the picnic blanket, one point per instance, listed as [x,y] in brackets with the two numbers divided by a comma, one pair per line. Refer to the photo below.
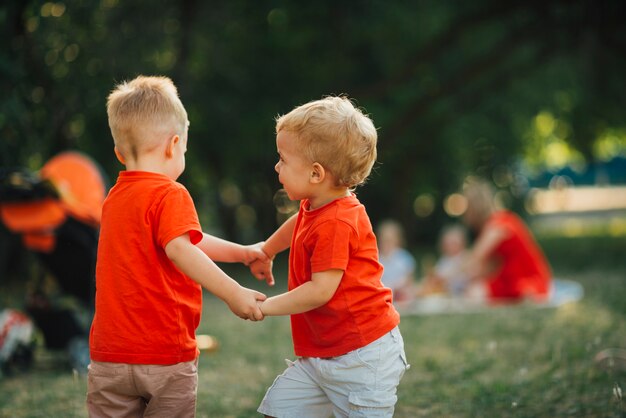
[562,291]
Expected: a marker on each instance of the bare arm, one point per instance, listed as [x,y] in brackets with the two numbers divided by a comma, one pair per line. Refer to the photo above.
[200,268]
[478,262]
[224,251]
[276,243]
[306,297]
[281,239]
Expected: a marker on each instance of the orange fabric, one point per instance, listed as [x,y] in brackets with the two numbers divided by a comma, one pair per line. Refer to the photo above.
[147,311]
[79,183]
[523,269]
[339,236]
[42,215]
[43,242]
[81,189]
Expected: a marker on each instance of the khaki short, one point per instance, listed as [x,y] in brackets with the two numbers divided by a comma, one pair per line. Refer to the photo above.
[139,390]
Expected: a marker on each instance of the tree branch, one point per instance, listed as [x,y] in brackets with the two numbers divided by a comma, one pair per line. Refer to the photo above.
[462,79]
[440,44]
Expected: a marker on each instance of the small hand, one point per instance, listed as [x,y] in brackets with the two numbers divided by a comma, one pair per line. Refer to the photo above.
[244,304]
[260,305]
[262,270]
[253,253]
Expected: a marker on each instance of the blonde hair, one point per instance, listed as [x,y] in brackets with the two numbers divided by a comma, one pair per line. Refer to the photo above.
[143,112]
[335,134]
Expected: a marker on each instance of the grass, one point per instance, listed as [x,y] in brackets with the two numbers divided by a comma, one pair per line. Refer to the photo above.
[513,362]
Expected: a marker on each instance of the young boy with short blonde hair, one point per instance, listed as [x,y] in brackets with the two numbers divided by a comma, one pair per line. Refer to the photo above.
[344,326]
[153,261]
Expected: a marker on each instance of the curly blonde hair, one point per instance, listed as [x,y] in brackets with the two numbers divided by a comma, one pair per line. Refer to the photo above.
[336,134]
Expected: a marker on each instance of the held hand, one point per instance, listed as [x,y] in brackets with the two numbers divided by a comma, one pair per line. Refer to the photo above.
[262,270]
[244,304]
[258,314]
[253,253]
[260,305]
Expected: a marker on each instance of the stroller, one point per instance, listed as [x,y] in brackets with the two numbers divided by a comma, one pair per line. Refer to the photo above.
[57,214]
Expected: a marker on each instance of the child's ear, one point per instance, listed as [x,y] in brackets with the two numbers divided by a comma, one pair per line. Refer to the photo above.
[171,143]
[119,156]
[318,173]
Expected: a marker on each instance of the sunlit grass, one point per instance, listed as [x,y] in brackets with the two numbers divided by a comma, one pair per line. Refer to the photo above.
[516,362]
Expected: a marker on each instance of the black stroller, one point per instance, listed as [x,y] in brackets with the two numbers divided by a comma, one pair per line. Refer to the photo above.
[57,215]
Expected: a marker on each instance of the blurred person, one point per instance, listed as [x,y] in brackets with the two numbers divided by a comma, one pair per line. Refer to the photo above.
[153,261]
[448,275]
[344,326]
[505,258]
[398,263]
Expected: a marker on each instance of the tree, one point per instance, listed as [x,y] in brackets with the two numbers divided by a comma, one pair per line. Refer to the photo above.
[453,86]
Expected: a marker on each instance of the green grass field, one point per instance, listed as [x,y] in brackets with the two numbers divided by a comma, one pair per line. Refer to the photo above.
[513,362]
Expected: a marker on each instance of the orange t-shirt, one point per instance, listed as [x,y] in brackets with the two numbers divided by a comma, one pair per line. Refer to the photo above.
[339,236]
[147,311]
[523,269]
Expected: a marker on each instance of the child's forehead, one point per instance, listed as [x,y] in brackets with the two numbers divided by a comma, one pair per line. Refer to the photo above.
[286,140]
[286,135]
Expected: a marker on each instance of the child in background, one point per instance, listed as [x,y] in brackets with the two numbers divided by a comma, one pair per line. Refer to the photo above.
[399,264]
[449,274]
[344,326]
[153,261]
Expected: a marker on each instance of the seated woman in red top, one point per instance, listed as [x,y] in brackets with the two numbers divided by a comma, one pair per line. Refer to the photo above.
[505,256]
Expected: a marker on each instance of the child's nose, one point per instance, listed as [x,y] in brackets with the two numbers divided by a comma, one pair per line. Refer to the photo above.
[276,167]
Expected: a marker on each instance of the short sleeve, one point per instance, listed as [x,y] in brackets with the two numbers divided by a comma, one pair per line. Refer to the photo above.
[330,246]
[176,215]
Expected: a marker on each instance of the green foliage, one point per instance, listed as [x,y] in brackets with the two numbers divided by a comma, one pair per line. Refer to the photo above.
[453,86]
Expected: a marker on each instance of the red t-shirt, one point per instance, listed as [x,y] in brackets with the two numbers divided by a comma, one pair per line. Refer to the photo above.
[147,311]
[339,236]
[523,269]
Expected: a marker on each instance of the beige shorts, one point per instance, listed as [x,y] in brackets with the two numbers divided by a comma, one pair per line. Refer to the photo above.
[140,390]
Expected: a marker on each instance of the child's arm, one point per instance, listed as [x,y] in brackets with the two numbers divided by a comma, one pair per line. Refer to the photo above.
[305,297]
[224,251]
[200,268]
[279,241]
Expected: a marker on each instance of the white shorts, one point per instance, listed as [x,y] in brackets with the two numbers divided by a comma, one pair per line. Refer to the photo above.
[361,383]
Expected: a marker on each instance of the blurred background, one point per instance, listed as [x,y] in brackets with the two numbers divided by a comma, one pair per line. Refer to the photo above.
[529,94]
